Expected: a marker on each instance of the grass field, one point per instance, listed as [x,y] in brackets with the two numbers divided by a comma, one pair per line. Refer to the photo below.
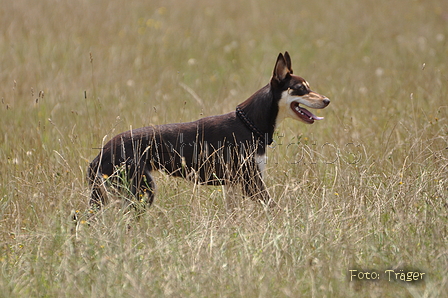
[365,189]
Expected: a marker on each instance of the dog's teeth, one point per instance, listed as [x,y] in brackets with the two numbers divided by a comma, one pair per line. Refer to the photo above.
[300,111]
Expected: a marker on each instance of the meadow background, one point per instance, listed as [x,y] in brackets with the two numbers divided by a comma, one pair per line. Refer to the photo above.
[365,189]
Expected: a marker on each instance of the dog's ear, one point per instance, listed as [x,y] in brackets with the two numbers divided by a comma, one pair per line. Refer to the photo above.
[288,61]
[281,70]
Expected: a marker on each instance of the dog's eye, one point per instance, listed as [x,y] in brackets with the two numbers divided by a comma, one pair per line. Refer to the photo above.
[299,90]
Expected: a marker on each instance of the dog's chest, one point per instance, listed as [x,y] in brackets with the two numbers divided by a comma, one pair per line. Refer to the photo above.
[261,161]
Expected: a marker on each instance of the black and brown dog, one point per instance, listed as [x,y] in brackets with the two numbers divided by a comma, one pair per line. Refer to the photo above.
[226,149]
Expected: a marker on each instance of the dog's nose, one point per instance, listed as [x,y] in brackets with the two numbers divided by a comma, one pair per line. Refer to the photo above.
[326,101]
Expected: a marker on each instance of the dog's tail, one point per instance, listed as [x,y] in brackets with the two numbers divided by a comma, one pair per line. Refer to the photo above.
[98,192]
[92,171]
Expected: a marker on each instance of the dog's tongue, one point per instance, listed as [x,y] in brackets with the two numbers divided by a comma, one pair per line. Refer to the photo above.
[309,114]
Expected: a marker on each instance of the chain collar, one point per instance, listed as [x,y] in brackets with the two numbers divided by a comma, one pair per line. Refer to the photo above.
[242,115]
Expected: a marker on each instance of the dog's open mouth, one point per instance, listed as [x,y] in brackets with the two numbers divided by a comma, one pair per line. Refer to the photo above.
[304,114]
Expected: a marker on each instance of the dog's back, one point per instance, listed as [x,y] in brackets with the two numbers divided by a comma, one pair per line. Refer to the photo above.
[212,150]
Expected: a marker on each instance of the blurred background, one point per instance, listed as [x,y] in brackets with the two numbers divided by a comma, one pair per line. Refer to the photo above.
[75,73]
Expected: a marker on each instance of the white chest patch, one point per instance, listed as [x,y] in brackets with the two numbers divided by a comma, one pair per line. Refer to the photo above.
[261,161]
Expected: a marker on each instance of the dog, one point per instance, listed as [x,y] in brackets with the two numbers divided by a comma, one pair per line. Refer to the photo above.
[226,149]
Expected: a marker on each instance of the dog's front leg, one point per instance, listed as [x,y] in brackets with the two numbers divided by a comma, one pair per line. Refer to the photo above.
[254,186]
[231,197]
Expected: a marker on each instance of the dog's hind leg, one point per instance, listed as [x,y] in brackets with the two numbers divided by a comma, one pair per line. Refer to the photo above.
[230,197]
[148,187]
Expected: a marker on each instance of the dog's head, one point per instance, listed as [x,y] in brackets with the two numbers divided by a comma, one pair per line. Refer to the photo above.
[294,91]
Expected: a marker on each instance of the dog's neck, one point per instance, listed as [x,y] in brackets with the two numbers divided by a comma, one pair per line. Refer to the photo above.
[252,127]
[259,113]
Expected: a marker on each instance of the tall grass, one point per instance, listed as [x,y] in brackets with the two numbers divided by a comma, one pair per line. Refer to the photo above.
[364,189]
